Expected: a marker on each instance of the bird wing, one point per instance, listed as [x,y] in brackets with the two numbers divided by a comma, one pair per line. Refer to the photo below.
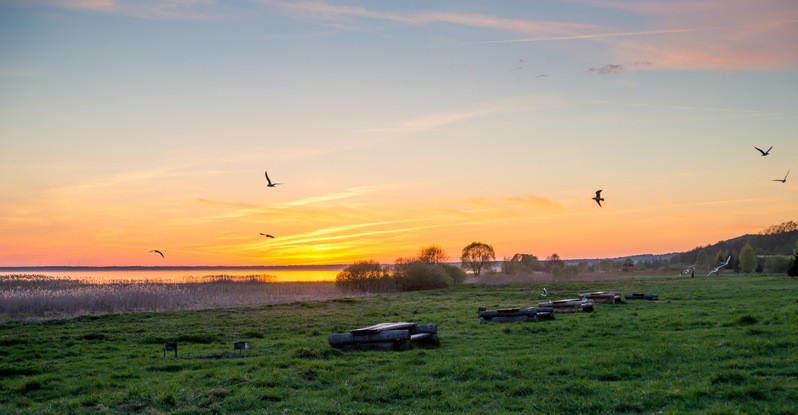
[760,150]
[771,148]
[598,193]
[158,252]
[599,202]
[267,177]
[785,176]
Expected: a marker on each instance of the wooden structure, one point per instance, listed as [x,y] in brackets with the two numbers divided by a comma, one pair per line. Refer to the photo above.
[641,297]
[386,336]
[169,347]
[568,306]
[607,297]
[511,315]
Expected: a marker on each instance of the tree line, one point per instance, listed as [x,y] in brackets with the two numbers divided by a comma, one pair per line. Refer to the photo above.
[429,269]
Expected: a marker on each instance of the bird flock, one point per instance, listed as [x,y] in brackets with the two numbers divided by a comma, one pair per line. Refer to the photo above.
[598,198]
[764,153]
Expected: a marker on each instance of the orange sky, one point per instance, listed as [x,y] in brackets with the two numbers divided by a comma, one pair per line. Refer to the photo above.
[130,126]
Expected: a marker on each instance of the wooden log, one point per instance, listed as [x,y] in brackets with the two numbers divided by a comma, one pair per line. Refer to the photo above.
[529,312]
[426,339]
[424,328]
[339,339]
[383,327]
[377,346]
[511,319]
[641,297]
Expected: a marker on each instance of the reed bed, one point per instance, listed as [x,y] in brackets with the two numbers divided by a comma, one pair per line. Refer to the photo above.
[34,297]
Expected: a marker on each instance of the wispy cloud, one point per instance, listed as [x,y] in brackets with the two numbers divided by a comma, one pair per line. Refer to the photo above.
[751,35]
[145,9]
[345,194]
[436,121]
[318,10]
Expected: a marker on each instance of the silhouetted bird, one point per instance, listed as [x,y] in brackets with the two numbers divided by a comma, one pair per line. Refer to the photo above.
[158,252]
[269,182]
[784,180]
[267,235]
[764,153]
[598,197]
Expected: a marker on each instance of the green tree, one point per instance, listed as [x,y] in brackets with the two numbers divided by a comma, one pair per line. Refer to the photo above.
[747,259]
[605,265]
[554,260]
[702,259]
[777,264]
[477,256]
[530,262]
[793,271]
[511,266]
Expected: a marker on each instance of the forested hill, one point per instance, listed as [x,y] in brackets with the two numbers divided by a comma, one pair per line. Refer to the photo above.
[776,240]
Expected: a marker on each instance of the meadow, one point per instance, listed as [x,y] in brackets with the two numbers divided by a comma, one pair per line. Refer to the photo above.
[718,345]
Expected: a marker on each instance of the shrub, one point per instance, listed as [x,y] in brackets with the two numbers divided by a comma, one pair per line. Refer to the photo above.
[419,275]
[510,267]
[777,264]
[365,276]
[457,275]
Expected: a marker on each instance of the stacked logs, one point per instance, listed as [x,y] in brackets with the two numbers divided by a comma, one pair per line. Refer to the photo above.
[568,306]
[510,315]
[607,297]
[386,336]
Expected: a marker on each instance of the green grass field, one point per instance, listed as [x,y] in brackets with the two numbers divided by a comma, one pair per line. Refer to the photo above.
[722,345]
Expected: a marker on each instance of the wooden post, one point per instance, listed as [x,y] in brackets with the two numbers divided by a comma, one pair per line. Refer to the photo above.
[168,347]
[241,346]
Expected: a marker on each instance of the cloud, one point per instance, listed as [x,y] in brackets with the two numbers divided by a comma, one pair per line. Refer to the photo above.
[734,34]
[436,121]
[317,10]
[607,69]
[144,9]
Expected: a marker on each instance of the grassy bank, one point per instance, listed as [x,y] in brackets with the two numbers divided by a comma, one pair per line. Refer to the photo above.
[710,345]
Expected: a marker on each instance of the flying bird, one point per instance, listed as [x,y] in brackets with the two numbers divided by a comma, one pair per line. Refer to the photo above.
[716,269]
[598,197]
[269,182]
[158,252]
[544,293]
[784,180]
[267,235]
[764,153]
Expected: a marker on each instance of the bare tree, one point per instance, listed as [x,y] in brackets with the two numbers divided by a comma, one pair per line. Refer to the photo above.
[433,254]
[477,256]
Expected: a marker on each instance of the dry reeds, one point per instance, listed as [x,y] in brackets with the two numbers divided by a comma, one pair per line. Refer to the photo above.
[41,297]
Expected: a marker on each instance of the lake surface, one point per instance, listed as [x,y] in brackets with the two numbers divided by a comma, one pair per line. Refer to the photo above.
[104,275]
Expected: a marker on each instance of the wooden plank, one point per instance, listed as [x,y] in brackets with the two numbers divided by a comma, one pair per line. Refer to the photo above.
[383,327]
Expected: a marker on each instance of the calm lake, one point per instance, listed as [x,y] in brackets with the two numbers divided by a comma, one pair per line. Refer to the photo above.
[104,275]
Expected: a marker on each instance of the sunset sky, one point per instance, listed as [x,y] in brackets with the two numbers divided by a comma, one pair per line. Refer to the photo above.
[127,126]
